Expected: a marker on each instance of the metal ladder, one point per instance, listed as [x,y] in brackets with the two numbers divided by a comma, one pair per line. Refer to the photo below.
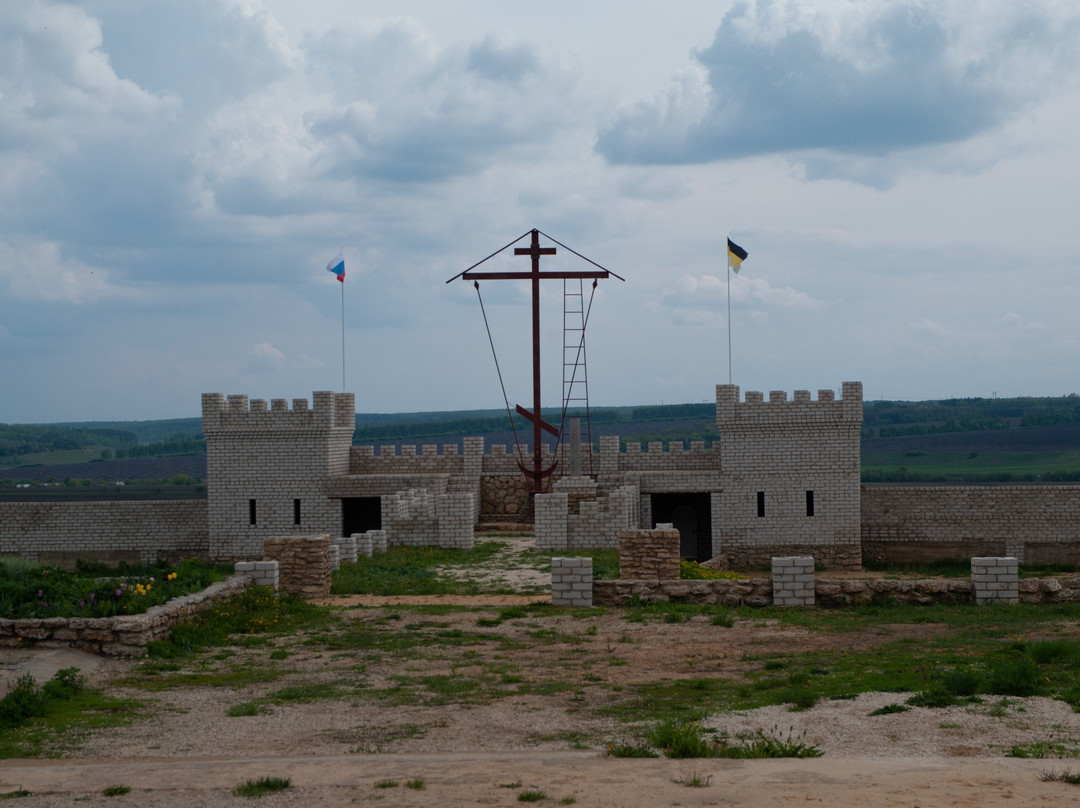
[575,375]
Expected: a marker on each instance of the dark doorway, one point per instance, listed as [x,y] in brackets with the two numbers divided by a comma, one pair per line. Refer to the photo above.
[360,514]
[691,514]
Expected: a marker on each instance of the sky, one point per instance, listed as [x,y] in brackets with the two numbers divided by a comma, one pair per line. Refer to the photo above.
[176,174]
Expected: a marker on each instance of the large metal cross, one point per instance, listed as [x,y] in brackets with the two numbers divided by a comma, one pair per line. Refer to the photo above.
[537,473]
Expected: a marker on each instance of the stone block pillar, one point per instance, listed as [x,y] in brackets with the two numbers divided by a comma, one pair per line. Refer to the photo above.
[793,581]
[571,581]
[995,580]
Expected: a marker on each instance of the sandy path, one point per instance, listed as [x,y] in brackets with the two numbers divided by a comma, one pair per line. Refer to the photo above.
[590,780]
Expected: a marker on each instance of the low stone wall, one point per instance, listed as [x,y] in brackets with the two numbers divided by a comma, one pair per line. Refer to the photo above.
[124,635]
[828,593]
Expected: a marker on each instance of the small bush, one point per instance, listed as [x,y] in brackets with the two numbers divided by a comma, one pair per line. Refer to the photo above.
[64,685]
[679,740]
[23,702]
[531,796]
[262,786]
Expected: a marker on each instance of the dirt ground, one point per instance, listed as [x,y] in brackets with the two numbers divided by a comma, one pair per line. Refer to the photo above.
[475,710]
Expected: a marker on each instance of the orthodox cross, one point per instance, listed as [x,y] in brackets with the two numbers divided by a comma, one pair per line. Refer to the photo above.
[537,473]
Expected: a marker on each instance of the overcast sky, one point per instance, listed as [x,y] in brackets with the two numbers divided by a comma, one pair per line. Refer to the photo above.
[175,175]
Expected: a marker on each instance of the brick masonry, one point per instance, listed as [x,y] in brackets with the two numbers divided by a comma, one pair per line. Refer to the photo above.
[1032,523]
[793,581]
[995,580]
[572,581]
[148,530]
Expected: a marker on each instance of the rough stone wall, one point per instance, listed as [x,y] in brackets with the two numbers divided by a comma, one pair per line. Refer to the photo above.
[303,564]
[649,555]
[52,531]
[828,594]
[1032,523]
[772,454]
[273,457]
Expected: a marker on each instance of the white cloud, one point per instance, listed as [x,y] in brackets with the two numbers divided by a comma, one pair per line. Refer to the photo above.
[36,271]
[858,80]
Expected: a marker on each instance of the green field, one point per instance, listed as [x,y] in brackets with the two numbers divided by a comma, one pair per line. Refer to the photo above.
[977,464]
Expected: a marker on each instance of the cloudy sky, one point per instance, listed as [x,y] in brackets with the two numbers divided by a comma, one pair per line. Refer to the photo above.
[175,175]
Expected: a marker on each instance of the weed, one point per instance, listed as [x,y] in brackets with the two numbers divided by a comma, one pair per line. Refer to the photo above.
[386,784]
[1042,749]
[695,780]
[11,795]
[936,696]
[247,708]
[417,783]
[115,791]
[531,796]
[1064,776]
[889,709]
[569,799]
[515,784]
[262,786]
[626,750]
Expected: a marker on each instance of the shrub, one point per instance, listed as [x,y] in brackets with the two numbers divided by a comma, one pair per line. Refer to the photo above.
[1013,674]
[961,682]
[23,702]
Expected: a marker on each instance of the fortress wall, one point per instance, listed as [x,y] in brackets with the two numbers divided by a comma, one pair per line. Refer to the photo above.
[910,523]
[58,532]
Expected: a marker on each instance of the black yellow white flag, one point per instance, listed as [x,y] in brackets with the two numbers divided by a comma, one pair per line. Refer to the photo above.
[736,255]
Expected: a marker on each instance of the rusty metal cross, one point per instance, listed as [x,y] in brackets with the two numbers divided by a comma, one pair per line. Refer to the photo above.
[537,473]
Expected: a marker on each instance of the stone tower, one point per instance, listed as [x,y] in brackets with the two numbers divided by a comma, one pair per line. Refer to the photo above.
[791,475]
[268,470]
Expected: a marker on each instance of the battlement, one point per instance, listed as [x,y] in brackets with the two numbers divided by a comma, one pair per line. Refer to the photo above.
[236,413]
[778,411]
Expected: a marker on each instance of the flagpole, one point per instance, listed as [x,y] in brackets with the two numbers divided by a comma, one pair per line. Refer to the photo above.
[343,388]
[729,374]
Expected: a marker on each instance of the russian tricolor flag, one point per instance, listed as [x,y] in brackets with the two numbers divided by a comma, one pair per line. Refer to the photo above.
[337,265]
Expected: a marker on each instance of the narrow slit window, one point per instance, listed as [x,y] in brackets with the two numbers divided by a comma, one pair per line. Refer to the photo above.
[760,503]
[296,511]
[251,511]
[809,503]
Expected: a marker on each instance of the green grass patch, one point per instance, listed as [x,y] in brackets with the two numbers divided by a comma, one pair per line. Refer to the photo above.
[413,571]
[58,725]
